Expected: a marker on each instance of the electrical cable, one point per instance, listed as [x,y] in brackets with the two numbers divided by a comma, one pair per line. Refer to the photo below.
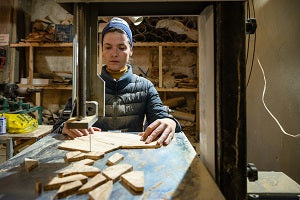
[254,43]
[263,100]
[248,37]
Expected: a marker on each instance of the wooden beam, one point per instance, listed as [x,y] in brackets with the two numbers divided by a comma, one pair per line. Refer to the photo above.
[160,66]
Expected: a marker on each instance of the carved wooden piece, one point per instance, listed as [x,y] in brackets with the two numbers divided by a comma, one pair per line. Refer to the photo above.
[68,189]
[79,169]
[78,155]
[135,180]
[114,172]
[56,182]
[106,142]
[74,156]
[84,162]
[30,164]
[115,158]
[94,155]
[102,192]
[94,182]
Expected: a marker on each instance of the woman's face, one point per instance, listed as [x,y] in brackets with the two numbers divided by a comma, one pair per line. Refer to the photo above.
[116,50]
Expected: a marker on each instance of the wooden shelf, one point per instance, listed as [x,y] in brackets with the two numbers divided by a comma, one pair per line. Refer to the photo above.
[47,87]
[176,89]
[69,87]
[35,44]
[165,44]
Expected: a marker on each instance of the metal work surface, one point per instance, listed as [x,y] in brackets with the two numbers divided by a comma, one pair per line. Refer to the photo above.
[170,172]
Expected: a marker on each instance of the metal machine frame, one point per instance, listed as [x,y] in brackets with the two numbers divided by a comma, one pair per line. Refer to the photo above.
[229,74]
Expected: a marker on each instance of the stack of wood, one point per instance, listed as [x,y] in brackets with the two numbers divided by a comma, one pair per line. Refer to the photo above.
[186,119]
[42,31]
[187,83]
[162,29]
[51,114]
[179,80]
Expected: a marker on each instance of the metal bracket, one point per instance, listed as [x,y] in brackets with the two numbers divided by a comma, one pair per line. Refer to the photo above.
[88,121]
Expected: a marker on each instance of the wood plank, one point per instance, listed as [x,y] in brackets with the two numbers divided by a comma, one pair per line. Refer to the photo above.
[68,189]
[30,164]
[94,155]
[38,133]
[183,115]
[114,172]
[35,44]
[30,66]
[86,170]
[176,89]
[56,182]
[135,180]
[160,67]
[78,155]
[85,161]
[82,144]
[114,159]
[173,102]
[72,156]
[102,192]
[106,142]
[165,44]
[94,182]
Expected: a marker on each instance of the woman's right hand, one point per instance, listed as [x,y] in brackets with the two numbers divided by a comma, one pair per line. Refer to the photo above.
[73,133]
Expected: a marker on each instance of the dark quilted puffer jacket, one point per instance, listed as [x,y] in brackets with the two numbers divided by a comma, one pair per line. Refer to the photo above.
[127,101]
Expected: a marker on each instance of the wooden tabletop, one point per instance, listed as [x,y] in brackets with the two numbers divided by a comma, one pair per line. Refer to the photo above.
[41,131]
[171,172]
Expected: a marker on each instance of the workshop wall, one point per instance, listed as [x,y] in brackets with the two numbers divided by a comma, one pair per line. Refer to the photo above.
[5,27]
[278,49]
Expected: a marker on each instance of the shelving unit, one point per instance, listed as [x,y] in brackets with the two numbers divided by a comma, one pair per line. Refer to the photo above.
[160,46]
[31,66]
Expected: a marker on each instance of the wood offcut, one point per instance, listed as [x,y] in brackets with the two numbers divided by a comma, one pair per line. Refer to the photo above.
[114,159]
[56,182]
[94,182]
[78,155]
[68,189]
[30,164]
[86,170]
[135,180]
[102,192]
[114,172]
[106,142]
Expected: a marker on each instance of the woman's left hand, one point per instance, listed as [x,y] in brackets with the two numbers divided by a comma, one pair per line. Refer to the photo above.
[162,128]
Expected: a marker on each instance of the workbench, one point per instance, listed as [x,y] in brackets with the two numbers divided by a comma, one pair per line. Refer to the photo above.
[171,172]
[30,138]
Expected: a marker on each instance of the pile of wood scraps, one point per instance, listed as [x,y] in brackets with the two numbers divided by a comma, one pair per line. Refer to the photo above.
[81,177]
[162,29]
[179,80]
[176,107]
[187,83]
[51,114]
[42,31]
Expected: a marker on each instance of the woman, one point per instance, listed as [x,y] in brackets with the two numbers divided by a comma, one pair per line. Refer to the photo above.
[129,98]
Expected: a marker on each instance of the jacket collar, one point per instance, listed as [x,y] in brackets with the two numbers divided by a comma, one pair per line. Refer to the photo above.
[117,84]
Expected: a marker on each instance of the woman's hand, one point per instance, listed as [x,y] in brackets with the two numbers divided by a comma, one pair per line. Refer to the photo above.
[162,128]
[73,133]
